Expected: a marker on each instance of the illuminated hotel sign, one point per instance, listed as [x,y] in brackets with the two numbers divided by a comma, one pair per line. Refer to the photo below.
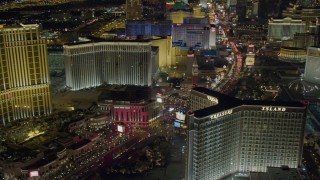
[221,114]
[274,109]
[213,99]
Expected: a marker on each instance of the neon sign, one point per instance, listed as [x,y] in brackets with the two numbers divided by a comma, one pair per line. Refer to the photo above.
[221,114]
[274,109]
[213,99]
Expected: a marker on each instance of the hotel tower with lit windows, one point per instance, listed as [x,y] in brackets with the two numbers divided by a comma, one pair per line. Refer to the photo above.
[24,76]
[227,135]
[119,63]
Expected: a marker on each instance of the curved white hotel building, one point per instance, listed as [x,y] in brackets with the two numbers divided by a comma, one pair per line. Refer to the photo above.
[121,63]
[24,75]
[227,135]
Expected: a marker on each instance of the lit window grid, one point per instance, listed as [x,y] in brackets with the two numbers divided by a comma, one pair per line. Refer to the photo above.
[276,31]
[292,55]
[23,63]
[91,65]
[182,32]
[193,39]
[136,114]
[270,141]
[215,148]
[311,72]
[56,61]
[197,102]
[25,102]
[284,146]
[24,70]
[306,15]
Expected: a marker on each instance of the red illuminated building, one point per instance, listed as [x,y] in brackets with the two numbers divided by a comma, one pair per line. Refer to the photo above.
[129,106]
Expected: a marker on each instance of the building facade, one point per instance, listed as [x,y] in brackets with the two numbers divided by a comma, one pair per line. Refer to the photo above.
[293,55]
[122,63]
[241,135]
[129,106]
[148,28]
[303,40]
[56,60]
[241,10]
[165,51]
[283,172]
[284,29]
[312,68]
[136,114]
[198,35]
[24,76]
[307,14]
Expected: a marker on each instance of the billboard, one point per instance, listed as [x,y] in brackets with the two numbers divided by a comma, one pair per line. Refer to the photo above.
[177,124]
[159,98]
[180,116]
[183,126]
[250,59]
[34,173]
[250,48]
[120,128]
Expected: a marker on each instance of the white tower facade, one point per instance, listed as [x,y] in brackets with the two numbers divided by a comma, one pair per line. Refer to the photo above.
[312,68]
[122,63]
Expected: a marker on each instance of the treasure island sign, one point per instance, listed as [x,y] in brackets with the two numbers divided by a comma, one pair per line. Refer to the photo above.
[274,109]
[221,114]
[213,99]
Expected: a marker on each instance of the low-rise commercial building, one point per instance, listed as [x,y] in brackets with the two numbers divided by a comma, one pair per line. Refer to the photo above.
[130,106]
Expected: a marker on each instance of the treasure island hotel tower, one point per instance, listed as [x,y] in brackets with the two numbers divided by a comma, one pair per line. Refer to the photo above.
[227,135]
[24,76]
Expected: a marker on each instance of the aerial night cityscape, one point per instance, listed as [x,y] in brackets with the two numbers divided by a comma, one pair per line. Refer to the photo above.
[160,89]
